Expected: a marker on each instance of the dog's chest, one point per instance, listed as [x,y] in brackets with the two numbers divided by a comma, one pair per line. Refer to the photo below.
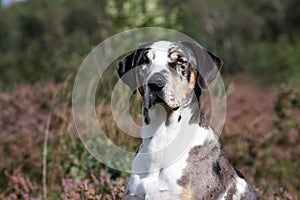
[161,170]
[160,184]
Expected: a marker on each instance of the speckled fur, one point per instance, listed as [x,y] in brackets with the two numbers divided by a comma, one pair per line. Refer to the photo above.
[207,161]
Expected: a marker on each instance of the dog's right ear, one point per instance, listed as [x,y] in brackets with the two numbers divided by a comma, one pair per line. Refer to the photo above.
[127,71]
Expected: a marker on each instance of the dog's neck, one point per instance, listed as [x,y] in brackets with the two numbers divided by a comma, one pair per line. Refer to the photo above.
[166,125]
[160,120]
[168,133]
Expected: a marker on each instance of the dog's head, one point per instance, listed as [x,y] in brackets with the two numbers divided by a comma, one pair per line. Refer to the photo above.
[169,72]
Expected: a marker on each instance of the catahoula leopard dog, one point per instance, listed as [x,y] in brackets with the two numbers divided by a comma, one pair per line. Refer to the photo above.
[180,156]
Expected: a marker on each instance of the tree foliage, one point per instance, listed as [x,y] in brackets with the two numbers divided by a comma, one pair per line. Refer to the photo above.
[47,40]
[246,33]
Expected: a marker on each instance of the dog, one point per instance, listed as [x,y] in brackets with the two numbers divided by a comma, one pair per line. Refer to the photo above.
[180,156]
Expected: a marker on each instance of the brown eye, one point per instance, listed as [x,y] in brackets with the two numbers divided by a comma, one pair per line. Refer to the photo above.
[179,62]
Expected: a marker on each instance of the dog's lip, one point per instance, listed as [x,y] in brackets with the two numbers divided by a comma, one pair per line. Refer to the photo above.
[175,108]
[159,100]
[153,98]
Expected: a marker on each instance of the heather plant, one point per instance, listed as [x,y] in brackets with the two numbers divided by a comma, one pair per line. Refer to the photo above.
[101,187]
[261,137]
[255,138]
[286,107]
[21,187]
[23,122]
[22,125]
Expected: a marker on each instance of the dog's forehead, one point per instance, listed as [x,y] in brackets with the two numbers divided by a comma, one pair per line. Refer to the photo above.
[161,52]
[161,46]
[164,48]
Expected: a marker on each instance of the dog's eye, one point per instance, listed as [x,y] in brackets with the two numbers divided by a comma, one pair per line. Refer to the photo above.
[180,61]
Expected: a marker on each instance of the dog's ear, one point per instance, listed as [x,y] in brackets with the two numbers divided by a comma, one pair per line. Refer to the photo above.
[127,71]
[207,64]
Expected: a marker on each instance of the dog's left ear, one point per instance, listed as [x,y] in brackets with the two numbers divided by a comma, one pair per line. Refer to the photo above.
[126,69]
[207,64]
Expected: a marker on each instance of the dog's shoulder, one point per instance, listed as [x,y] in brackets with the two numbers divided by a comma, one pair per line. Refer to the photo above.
[222,180]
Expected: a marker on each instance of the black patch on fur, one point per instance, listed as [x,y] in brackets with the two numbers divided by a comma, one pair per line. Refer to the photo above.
[127,66]
[239,173]
[179,118]
[137,151]
[217,169]
[129,63]
[147,119]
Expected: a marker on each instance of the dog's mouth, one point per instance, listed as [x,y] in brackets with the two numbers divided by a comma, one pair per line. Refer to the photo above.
[169,103]
[173,107]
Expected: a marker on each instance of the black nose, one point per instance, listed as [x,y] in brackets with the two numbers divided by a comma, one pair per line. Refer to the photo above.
[156,82]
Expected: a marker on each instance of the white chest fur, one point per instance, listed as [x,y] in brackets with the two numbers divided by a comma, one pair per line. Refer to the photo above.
[163,153]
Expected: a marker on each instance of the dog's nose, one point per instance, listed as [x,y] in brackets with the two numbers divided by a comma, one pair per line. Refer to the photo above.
[156,82]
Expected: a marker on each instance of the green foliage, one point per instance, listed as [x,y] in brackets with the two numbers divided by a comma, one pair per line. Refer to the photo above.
[47,40]
[288,101]
[250,36]
[131,14]
[136,13]
[276,61]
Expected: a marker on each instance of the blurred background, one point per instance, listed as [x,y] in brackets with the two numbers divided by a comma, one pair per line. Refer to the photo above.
[42,44]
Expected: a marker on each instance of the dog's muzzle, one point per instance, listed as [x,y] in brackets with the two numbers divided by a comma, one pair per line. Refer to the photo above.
[157,92]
